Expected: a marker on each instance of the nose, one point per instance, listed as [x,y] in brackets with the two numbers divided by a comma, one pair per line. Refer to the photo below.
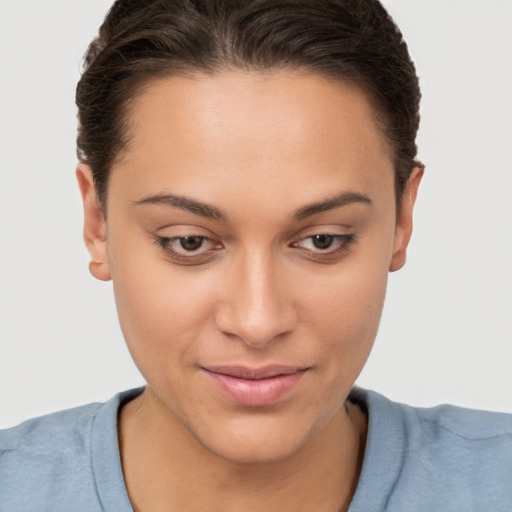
[258,306]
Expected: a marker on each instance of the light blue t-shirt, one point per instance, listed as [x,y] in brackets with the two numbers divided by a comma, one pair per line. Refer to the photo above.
[443,459]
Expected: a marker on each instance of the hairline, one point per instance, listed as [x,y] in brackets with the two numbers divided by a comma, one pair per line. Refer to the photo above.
[141,83]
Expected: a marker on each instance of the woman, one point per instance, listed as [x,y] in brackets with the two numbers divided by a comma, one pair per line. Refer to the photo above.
[248,176]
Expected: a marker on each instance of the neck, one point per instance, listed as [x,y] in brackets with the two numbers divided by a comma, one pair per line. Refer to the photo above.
[166,468]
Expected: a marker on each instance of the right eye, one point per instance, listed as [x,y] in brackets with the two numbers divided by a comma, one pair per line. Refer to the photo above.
[188,243]
[188,248]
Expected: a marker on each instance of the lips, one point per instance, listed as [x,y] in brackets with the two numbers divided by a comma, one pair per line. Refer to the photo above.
[255,387]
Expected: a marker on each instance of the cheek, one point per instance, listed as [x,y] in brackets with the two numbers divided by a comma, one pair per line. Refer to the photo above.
[352,311]
[345,313]
[160,310]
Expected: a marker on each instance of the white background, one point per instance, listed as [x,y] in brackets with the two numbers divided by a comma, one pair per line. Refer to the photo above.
[446,334]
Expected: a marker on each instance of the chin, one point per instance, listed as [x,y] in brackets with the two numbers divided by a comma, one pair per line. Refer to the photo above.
[251,440]
[261,452]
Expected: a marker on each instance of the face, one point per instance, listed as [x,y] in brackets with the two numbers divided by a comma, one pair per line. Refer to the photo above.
[251,227]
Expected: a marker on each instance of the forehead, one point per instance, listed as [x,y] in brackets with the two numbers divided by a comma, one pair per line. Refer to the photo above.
[281,127]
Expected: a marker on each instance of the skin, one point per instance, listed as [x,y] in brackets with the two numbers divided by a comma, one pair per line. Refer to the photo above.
[261,149]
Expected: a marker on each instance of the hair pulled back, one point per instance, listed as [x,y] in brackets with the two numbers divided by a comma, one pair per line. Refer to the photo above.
[353,41]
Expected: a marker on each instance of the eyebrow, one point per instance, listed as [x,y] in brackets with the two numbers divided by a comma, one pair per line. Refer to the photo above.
[339,200]
[212,212]
[185,203]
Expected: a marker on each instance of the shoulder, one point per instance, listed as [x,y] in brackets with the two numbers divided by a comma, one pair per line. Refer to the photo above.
[472,449]
[441,458]
[47,457]
[468,424]
[47,463]
[51,433]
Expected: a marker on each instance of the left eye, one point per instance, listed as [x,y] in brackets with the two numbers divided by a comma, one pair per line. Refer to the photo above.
[322,242]
[325,243]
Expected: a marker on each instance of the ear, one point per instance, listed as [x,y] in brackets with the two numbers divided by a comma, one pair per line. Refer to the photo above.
[403,228]
[95,228]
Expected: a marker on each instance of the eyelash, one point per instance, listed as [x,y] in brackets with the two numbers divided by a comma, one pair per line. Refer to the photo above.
[343,243]
[167,243]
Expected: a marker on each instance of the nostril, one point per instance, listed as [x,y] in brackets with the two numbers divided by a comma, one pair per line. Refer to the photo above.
[255,332]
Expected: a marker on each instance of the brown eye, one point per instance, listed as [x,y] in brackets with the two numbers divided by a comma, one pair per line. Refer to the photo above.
[191,243]
[189,249]
[325,244]
[322,242]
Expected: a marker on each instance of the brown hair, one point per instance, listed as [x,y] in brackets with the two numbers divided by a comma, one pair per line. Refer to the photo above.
[345,40]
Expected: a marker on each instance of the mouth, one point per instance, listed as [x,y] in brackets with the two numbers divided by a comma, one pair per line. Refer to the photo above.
[255,387]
